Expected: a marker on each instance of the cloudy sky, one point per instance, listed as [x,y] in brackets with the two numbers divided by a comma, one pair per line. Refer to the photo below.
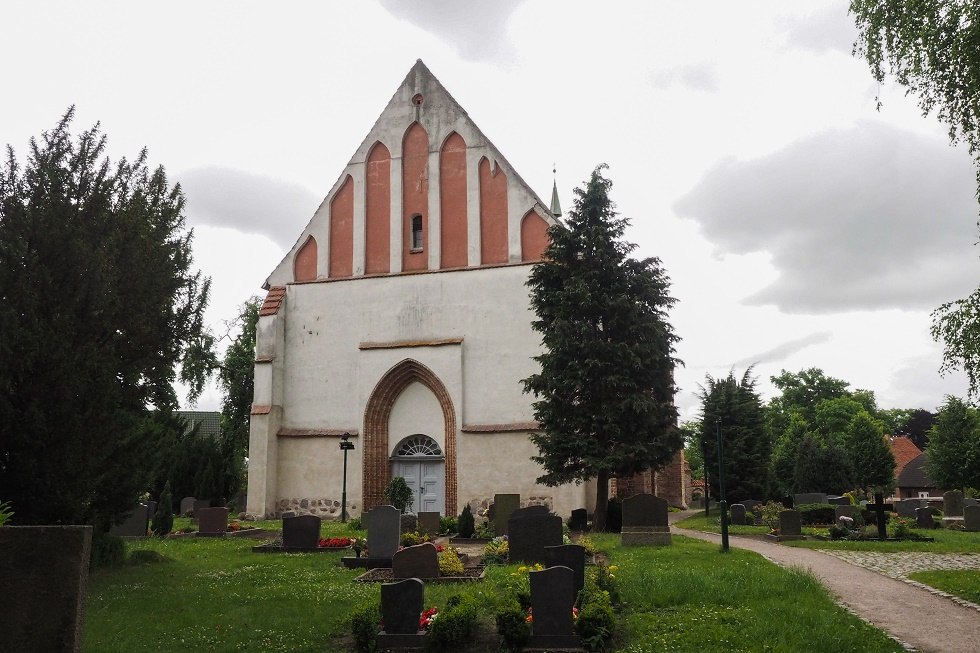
[800,226]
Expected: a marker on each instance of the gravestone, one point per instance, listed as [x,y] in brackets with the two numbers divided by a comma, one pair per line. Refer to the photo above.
[752,516]
[383,524]
[571,556]
[530,534]
[302,532]
[419,561]
[579,520]
[790,526]
[645,521]
[212,522]
[428,523]
[907,507]
[135,524]
[552,598]
[503,505]
[737,514]
[923,517]
[187,505]
[808,497]
[880,510]
[953,503]
[971,518]
[531,510]
[839,501]
[401,607]
[43,576]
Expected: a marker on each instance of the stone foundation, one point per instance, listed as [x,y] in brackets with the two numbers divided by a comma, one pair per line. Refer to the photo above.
[323,508]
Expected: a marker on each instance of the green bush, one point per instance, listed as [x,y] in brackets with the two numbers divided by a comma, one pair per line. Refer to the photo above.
[448,526]
[496,551]
[596,621]
[399,494]
[454,626]
[364,622]
[107,550]
[816,513]
[354,524]
[485,530]
[770,514]
[163,518]
[512,626]
[5,512]
[449,563]
[414,537]
[466,527]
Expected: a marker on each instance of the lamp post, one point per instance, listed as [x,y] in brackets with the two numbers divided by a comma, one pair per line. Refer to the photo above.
[704,467]
[722,504]
[345,446]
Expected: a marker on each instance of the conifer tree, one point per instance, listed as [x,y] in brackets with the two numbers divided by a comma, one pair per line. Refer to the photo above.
[100,310]
[872,460]
[163,518]
[954,446]
[604,395]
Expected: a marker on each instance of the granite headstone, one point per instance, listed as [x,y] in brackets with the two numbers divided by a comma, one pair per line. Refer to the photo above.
[383,527]
[530,534]
[135,524]
[552,597]
[971,518]
[737,514]
[301,532]
[579,520]
[953,503]
[808,497]
[401,606]
[428,523]
[503,506]
[568,555]
[419,561]
[645,521]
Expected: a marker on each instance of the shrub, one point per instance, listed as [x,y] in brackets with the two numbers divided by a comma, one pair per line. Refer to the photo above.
[414,537]
[512,626]
[448,526]
[364,622]
[466,527]
[816,513]
[455,625]
[5,512]
[596,621]
[354,524]
[163,518]
[770,514]
[485,530]
[107,550]
[449,563]
[496,551]
[591,548]
[399,494]
[614,516]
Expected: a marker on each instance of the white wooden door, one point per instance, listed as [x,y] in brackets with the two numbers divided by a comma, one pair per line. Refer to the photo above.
[426,478]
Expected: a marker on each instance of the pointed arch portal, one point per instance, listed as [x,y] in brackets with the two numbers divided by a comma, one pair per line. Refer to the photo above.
[376,471]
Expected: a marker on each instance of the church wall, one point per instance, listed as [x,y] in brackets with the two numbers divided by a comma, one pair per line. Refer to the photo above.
[453,217]
[416,411]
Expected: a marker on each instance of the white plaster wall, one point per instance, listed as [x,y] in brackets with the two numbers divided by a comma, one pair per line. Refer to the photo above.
[416,411]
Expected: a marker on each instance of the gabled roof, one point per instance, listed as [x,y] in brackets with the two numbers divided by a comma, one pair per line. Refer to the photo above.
[209,422]
[904,451]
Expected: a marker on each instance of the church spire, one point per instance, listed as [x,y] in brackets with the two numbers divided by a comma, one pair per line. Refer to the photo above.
[555,205]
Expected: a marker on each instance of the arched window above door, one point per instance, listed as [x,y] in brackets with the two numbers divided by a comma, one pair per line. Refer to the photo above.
[418,445]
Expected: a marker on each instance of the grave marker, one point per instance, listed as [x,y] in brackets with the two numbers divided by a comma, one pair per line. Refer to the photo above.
[953,503]
[419,561]
[552,598]
[530,534]
[212,522]
[187,505]
[383,527]
[907,507]
[645,521]
[135,524]
[301,532]
[737,513]
[880,510]
[571,556]
[790,526]
[579,520]
[971,518]
[503,506]
[429,522]
[401,607]
[923,517]
[808,497]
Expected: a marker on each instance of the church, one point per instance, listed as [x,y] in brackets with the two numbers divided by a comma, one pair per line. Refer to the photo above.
[400,322]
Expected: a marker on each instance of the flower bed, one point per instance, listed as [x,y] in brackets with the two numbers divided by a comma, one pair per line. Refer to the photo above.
[384,575]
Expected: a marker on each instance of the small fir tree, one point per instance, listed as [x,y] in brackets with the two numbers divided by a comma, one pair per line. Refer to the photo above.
[163,518]
[466,524]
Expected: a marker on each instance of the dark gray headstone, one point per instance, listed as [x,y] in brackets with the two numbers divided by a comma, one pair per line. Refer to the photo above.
[750,504]
[287,513]
[301,532]
[953,503]
[789,523]
[187,505]
[552,598]
[579,520]
[43,576]
[212,521]
[644,510]
[420,561]
[738,514]
[568,555]
[383,527]
[839,501]
[808,497]
[401,606]
[907,507]
[428,523]
[923,517]
[503,505]
[135,524]
[531,510]
[530,534]
[971,518]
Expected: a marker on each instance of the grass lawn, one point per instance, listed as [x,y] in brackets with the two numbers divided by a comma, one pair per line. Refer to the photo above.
[216,595]
[964,583]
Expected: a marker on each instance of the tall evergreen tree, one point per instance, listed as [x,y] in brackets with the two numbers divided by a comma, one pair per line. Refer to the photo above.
[604,395]
[872,460]
[99,310]
[954,446]
[737,405]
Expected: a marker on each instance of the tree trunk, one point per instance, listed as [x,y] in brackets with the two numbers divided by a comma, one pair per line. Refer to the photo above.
[601,502]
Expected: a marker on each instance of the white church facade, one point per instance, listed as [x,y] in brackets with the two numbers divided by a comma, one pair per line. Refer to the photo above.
[401,317]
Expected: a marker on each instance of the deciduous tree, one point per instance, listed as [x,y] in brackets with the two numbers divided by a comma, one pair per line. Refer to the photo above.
[604,395]
[954,446]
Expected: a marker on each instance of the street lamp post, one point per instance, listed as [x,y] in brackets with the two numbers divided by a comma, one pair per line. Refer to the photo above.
[704,466]
[345,446]
[722,504]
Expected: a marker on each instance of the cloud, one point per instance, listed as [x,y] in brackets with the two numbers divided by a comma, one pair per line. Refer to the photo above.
[869,217]
[697,76]
[476,30]
[250,203]
[917,378]
[831,28]
[785,350]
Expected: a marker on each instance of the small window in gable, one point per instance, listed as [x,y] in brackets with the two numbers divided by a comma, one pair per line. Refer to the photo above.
[416,233]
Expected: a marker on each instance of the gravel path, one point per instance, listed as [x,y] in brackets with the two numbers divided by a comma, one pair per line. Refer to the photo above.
[874,587]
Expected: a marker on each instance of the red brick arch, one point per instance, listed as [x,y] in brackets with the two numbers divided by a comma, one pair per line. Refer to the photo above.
[376,470]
